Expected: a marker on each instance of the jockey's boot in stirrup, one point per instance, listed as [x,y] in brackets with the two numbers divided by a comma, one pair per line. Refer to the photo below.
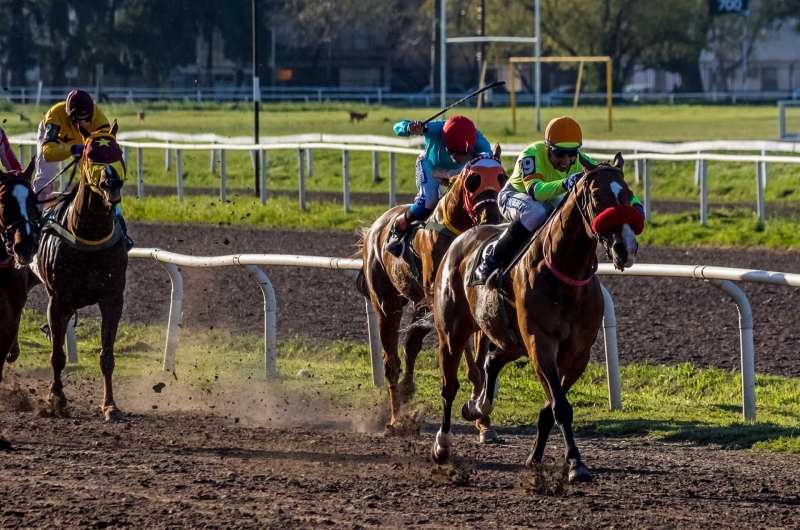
[498,256]
[124,227]
[394,242]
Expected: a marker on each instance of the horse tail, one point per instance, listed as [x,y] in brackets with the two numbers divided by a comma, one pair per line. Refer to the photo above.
[361,283]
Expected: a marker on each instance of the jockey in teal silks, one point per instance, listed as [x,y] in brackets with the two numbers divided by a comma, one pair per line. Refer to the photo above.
[446,146]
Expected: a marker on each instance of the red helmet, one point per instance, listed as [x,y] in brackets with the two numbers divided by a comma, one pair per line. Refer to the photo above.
[79,104]
[459,134]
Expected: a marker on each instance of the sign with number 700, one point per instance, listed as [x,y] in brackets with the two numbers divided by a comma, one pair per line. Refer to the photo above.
[725,7]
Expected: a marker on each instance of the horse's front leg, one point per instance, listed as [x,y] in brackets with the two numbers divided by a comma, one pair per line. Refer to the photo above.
[111,311]
[58,318]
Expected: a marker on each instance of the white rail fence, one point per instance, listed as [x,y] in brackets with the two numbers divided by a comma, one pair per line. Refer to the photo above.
[641,153]
[720,277]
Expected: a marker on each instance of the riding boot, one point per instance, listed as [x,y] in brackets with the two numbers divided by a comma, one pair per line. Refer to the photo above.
[395,242]
[498,255]
[128,241]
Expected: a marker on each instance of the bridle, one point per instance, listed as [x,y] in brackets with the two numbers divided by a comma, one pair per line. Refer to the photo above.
[468,196]
[583,202]
[7,232]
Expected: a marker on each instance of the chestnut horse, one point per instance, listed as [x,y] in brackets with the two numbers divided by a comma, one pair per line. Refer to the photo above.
[548,305]
[19,232]
[83,259]
[393,282]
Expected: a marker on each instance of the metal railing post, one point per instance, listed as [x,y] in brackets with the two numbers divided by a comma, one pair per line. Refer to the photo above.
[270,320]
[647,205]
[703,169]
[223,176]
[392,183]
[168,158]
[213,164]
[346,180]
[139,173]
[263,177]
[300,155]
[72,341]
[746,345]
[179,173]
[612,352]
[764,169]
[760,196]
[175,315]
[309,162]
[376,169]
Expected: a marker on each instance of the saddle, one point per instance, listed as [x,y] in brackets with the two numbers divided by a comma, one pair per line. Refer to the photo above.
[53,223]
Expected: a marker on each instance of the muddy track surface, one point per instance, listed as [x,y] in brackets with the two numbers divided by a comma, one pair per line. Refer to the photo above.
[661,320]
[186,471]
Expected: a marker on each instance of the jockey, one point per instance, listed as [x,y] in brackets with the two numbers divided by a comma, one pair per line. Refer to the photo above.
[7,156]
[60,138]
[446,146]
[543,173]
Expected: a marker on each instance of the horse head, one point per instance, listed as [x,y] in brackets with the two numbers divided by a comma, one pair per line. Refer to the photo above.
[19,216]
[102,166]
[605,202]
[478,185]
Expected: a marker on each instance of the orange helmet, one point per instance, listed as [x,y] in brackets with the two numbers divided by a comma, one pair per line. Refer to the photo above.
[459,133]
[563,133]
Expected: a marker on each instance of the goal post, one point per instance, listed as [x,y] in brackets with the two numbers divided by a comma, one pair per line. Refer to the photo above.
[512,61]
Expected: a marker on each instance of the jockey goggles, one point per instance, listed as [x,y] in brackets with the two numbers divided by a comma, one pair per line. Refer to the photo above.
[563,153]
[77,119]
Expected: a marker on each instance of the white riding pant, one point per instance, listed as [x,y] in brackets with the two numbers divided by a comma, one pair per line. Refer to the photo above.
[45,171]
[519,206]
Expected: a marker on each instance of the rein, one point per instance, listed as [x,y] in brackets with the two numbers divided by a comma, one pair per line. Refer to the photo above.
[588,215]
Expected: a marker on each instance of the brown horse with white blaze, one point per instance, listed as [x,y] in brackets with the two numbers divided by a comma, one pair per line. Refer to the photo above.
[392,282]
[19,233]
[549,305]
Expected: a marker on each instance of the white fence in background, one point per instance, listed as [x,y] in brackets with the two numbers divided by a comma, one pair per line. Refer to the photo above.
[720,277]
[642,153]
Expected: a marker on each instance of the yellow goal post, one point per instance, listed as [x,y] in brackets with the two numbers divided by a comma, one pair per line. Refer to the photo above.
[512,61]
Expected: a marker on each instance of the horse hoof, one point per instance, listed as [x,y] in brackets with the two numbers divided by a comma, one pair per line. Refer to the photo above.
[533,460]
[114,414]
[579,473]
[490,437]
[12,355]
[470,412]
[46,330]
[440,455]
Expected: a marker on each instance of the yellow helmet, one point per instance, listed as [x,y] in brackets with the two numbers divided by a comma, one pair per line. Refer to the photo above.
[563,133]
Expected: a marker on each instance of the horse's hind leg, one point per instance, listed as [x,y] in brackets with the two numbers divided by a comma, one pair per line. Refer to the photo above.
[58,317]
[111,311]
[389,311]
[413,345]
[476,376]
[451,345]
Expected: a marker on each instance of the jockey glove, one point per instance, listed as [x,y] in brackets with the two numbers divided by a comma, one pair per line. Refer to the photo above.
[76,150]
[640,209]
[569,182]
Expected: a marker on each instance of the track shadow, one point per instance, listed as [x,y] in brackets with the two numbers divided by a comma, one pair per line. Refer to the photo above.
[735,436]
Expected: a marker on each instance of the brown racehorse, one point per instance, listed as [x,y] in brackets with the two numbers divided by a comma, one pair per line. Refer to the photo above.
[82,260]
[19,232]
[391,282]
[549,305]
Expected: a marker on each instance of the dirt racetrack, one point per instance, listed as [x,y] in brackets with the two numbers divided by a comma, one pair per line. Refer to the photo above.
[662,320]
[184,471]
[177,468]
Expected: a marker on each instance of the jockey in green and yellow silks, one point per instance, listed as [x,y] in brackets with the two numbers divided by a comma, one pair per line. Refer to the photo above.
[544,172]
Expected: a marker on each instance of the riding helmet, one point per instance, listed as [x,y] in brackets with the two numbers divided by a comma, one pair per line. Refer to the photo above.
[563,133]
[459,134]
[79,104]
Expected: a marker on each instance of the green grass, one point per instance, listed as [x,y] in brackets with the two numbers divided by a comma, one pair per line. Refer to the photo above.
[674,404]
[726,227]
[728,182]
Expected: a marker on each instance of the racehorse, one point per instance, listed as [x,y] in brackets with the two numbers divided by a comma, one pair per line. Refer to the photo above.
[549,305]
[82,259]
[19,231]
[390,282]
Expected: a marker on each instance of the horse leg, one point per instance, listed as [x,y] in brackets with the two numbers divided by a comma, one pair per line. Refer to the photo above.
[58,317]
[389,312]
[477,378]
[413,345]
[495,361]
[13,353]
[543,427]
[451,346]
[544,356]
[111,312]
